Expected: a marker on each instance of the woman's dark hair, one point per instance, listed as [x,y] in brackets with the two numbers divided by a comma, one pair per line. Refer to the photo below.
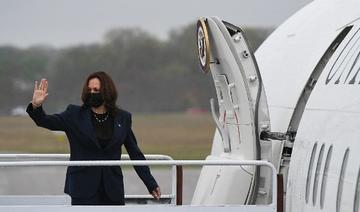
[107,90]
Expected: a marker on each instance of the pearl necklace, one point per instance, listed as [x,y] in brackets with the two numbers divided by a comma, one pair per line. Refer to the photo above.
[101,120]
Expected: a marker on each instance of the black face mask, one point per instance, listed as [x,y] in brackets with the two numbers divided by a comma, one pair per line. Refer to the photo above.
[94,100]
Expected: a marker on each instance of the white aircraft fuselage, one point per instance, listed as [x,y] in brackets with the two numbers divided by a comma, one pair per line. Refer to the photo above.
[328,132]
[309,105]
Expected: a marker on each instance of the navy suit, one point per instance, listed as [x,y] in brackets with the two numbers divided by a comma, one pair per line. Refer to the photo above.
[83,182]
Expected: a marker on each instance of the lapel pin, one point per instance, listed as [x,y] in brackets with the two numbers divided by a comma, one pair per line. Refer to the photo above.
[119,125]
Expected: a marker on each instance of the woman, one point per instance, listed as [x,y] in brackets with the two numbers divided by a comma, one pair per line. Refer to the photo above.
[96,131]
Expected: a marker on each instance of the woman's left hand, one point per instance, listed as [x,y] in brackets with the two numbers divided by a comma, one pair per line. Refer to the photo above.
[156,193]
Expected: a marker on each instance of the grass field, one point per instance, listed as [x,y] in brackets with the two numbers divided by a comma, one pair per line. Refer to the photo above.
[182,136]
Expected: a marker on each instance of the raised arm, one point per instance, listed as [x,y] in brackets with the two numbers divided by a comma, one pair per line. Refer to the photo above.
[37,114]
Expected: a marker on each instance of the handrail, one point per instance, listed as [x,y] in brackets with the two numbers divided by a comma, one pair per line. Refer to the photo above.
[67,156]
[175,180]
[154,162]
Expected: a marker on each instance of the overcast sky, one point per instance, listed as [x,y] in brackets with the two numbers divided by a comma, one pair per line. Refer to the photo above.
[66,22]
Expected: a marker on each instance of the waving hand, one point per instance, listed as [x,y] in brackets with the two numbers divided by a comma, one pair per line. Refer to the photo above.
[40,93]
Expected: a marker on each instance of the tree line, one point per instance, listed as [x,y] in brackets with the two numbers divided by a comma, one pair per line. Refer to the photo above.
[151,75]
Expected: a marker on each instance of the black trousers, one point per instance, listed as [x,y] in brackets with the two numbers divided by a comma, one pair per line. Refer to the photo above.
[100,198]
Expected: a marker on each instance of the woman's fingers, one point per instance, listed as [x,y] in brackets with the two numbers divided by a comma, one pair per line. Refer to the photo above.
[36,86]
[40,91]
[46,86]
[43,85]
[156,193]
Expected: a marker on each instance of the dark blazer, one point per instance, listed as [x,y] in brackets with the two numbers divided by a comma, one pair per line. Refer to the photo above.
[83,182]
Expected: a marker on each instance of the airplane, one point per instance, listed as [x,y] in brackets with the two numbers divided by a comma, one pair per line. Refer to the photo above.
[295,103]
[292,103]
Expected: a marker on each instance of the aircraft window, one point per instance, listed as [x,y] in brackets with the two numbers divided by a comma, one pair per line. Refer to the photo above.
[324,177]
[317,173]
[341,180]
[357,193]
[311,163]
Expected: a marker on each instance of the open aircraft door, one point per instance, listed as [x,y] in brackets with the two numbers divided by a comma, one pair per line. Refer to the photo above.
[242,114]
